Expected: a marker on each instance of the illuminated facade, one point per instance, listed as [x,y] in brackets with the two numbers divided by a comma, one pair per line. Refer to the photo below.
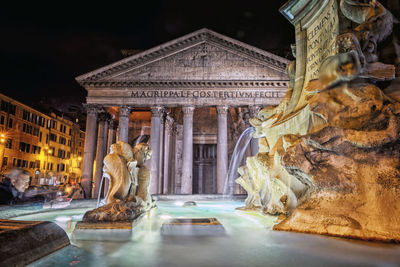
[49,147]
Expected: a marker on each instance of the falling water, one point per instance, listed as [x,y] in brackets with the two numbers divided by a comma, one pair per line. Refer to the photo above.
[99,194]
[236,160]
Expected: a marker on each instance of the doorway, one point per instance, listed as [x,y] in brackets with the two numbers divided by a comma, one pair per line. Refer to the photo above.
[204,169]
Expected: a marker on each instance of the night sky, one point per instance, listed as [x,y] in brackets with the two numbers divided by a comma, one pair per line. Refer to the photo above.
[45,46]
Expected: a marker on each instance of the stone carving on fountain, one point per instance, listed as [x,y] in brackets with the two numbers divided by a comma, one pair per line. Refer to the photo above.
[129,179]
[331,165]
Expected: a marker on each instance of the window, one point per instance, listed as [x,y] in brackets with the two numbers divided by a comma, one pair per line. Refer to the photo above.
[9,143]
[36,131]
[40,121]
[40,136]
[5,159]
[10,123]
[4,106]
[62,167]
[19,162]
[53,137]
[38,164]
[31,165]
[70,132]
[7,107]
[36,149]
[25,115]
[68,155]
[62,140]
[26,128]
[61,154]
[2,118]
[49,166]
[24,147]
[24,164]
[63,128]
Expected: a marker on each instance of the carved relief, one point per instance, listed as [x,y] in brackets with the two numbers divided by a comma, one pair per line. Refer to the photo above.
[204,61]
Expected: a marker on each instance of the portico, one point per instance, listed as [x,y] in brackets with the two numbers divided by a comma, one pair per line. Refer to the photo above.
[178,82]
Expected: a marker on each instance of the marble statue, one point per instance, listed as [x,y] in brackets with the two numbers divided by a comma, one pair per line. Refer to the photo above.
[118,168]
[128,193]
[329,159]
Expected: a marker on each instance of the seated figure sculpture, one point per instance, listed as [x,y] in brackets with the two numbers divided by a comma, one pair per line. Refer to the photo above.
[128,193]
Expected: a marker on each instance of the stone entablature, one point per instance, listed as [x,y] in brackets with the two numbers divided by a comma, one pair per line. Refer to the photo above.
[173,97]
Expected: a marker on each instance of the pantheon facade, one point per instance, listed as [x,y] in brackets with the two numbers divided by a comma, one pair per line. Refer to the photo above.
[192,96]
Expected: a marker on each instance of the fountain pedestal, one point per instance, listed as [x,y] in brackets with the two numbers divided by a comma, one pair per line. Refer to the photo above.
[106,231]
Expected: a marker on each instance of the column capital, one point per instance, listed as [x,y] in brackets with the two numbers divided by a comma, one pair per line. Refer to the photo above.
[93,109]
[124,111]
[157,111]
[222,110]
[169,122]
[104,117]
[188,110]
[254,110]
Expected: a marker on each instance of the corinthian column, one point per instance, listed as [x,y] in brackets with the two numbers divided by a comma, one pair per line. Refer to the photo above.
[254,142]
[100,152]
[222,148]
[161,161]
[156,113]
[169,121]
[111,134]
[187,161]
[88,153]
[123,124]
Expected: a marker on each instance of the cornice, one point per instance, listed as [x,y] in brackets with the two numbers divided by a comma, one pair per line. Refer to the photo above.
[188,84]
[197,37]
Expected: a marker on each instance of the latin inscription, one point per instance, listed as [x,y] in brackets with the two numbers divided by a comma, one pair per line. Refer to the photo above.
[321,37]
[205,94]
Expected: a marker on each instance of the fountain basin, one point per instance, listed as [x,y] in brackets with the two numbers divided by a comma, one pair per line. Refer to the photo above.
[249,241]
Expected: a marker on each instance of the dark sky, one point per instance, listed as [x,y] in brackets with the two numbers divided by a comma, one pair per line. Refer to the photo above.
[44,47]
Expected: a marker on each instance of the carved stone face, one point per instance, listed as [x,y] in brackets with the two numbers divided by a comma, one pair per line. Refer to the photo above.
[142,152]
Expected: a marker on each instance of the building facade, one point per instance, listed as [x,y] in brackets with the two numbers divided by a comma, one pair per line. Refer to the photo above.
[50,147]
[193,96]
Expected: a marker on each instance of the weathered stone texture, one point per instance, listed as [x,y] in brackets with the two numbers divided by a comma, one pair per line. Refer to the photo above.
[23,242]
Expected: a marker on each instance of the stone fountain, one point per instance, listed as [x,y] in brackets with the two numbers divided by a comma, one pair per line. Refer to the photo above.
[128,197]
[329,155]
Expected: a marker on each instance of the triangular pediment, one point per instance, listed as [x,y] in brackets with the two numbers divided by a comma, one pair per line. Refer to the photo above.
[200,56]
